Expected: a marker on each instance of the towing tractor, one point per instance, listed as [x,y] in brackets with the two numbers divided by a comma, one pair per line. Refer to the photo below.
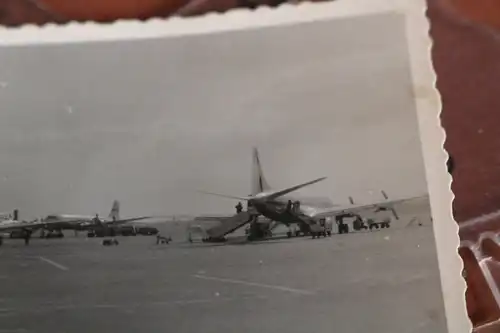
[370,224]
[343,228]
[359,224]
[321,228]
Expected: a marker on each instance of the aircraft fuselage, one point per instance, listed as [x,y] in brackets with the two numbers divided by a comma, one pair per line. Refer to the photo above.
[278,210]
[71,222]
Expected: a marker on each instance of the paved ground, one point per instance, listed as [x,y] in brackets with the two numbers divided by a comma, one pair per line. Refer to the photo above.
[383,282]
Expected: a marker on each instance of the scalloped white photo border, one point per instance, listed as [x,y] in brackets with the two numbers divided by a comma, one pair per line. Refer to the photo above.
[427,98]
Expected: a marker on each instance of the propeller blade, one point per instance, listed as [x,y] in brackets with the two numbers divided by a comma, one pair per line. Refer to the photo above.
[395,213]
[351,200]
[385,195]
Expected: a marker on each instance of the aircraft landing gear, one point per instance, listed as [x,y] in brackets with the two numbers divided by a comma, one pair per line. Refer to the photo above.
[259,231]
[379,225]
[343,228]
[55,234]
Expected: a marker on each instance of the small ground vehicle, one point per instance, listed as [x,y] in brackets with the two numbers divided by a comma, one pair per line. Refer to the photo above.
[321,228]
[110,242]
[372,224]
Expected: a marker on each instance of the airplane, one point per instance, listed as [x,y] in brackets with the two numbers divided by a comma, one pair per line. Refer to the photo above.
[6,216]
[8,225]
[19,228]
[282,207]
[11,219]
[58,222]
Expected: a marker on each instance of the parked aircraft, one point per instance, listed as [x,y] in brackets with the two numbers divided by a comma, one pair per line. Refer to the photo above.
[6,216]
[85,222]
[282,207]
[13,225]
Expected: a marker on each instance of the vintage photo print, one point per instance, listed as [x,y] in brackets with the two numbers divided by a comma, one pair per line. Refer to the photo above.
[276,171]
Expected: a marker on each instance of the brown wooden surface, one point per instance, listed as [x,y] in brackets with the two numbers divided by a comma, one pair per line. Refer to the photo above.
[16,12]
[466,55]
[19,12]
[466,59]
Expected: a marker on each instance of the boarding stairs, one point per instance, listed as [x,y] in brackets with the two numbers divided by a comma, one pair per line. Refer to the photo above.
[273,225]
[230,224]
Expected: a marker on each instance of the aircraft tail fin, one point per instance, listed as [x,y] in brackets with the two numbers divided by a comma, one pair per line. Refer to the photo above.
[114,214]
[259,182]
[386,197]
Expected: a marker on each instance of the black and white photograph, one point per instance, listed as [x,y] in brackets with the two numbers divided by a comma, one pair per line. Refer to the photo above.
[190,184]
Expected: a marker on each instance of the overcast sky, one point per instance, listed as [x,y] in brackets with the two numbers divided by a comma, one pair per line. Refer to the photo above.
[151,122]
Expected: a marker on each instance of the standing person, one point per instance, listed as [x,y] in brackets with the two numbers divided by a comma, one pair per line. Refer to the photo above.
[27,236]
[239,208]
[96,220]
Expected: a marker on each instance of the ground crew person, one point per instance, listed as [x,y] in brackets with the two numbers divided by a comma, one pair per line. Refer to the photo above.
[96,220]
[27,236]
[239,208]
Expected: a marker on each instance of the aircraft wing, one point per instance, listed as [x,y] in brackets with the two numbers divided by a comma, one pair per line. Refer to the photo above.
[123,221]
[209,218]
[7,227]
[63,224]
[377,207]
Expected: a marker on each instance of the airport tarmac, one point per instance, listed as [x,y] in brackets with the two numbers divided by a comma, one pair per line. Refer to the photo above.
[385,281]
